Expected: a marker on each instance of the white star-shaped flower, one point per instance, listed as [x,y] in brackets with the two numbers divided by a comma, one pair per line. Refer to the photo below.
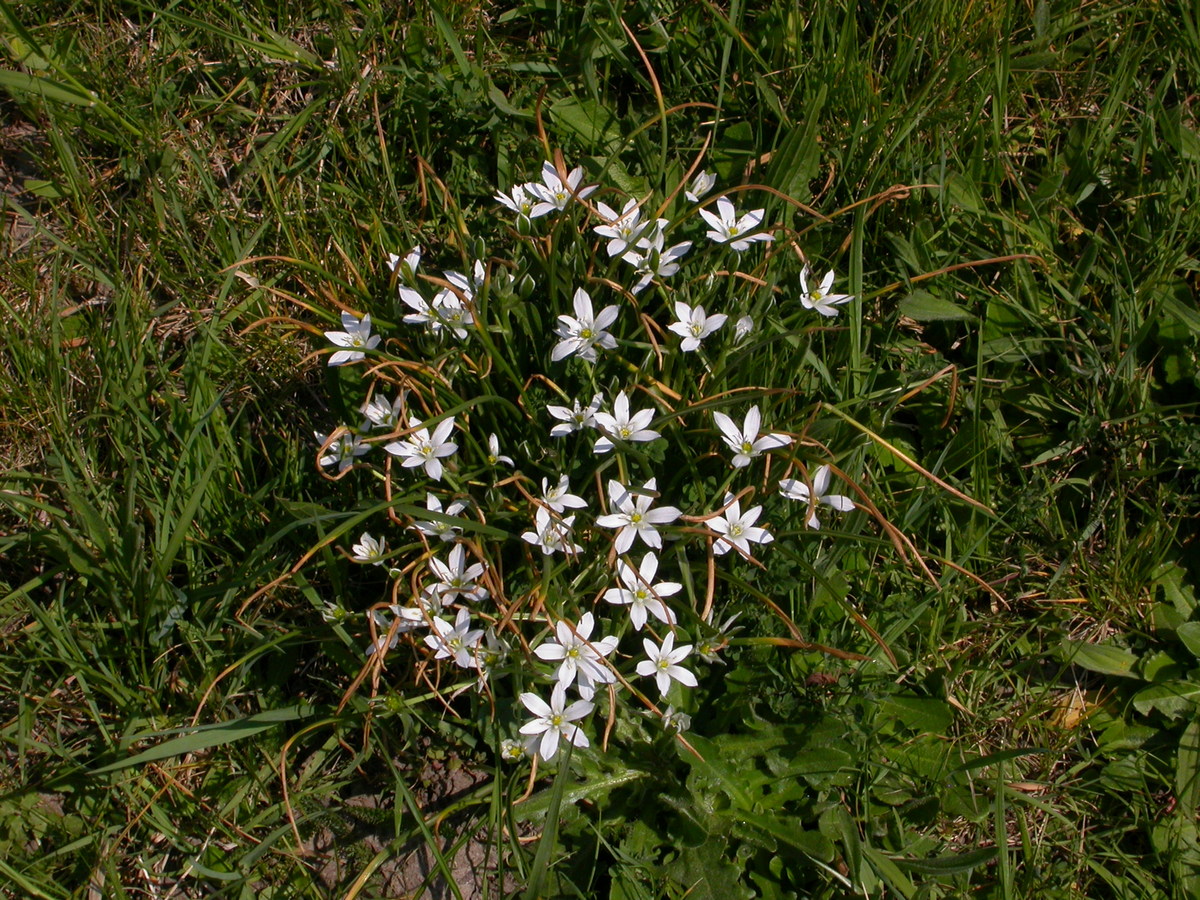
[443,530]
[694,325]
[798,490]
[551,534]
[452,311]
[621,228]
[709,649]
[559,498]
[745,442]
[405,266]
[369,549]
[387,632]
[457,641]
[491,655]
[423,449]
[495,457]
[422,312]
[466,286]
[651,261]
[619,425]
[447,311]
[582,333]
[701,185]
[580,659]
[355,337]
[737,529]
[634,517]
[819,299]
[552,194]
[381,413]
[574,418]
[555,720]
[344,449]
[663,663]
[744,326]
[520,200]
[456,579]
[726,227]
[640,592]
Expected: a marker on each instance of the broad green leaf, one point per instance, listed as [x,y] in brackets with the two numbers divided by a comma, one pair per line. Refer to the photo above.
[889,872]
[27,55]
[963,193]
[1186,858]
[1173,699]
[925,307]
[713,764]
[811,843]
[1189,633]
[924,714]
[537,805]
[1161,666]
[1122,736]
[1171,578]
[1183,314]
[47,190]
[1102,658]
[588,120]
[709,873]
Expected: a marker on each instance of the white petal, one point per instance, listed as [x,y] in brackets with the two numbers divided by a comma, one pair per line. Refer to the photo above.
[820,480]
[729,431]
[583,305]
[533,702]
[624,539]
[682,675]
[607,316]
[752,423]
[549,651]
[713,221]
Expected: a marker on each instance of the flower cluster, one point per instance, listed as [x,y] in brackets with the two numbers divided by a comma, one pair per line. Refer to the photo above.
[604,604]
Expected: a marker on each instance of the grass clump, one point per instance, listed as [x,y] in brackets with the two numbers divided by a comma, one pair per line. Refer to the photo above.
[981,679]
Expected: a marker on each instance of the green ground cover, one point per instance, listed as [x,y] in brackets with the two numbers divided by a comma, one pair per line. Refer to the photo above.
[982,681]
